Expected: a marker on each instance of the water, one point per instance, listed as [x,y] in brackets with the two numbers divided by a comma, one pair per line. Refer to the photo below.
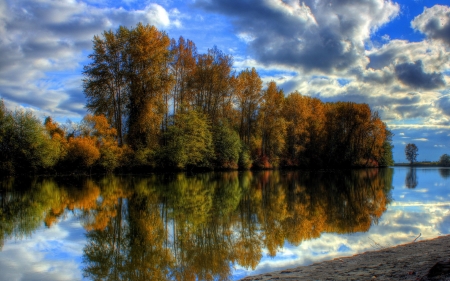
[215,226]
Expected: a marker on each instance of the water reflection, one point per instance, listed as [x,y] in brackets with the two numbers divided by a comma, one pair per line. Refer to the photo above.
[444,172]
[179,227]
[411,178]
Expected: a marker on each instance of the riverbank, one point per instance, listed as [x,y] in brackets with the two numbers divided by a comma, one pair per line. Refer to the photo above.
[411,261]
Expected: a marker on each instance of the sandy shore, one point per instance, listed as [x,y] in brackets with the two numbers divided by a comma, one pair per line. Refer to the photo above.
[404,262]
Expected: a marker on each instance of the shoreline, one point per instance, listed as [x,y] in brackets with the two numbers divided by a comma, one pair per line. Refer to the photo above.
[411,261]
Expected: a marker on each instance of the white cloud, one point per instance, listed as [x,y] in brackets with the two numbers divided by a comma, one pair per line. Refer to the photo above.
[310,35]
[435,23]
[44,40]
[40,257]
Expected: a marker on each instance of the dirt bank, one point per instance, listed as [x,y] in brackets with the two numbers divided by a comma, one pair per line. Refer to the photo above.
[404,262]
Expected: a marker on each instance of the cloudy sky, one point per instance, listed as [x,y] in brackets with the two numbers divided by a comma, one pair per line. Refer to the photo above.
[393,55]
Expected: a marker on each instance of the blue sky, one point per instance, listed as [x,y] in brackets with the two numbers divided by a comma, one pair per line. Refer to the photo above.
[393,55]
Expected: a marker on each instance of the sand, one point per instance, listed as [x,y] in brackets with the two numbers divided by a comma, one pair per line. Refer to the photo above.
[410,261]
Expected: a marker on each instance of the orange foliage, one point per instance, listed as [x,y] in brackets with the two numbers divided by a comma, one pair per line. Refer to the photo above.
[83,151]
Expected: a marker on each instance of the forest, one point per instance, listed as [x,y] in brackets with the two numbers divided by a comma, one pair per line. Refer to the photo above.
[155,103]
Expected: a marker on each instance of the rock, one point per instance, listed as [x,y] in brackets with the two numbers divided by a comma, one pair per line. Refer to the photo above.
[440,268]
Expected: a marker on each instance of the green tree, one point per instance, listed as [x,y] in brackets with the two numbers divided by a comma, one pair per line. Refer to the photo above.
[105,82]
[227,146]
[387,159]
[189,142]
[411,152]
[25,145]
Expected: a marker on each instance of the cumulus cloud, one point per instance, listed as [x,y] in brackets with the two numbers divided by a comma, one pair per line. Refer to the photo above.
[412,74]
[434,22]
[46,40]
[312,35]
[444,104]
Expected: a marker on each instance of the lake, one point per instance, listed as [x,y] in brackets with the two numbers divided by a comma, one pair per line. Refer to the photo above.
[211,226]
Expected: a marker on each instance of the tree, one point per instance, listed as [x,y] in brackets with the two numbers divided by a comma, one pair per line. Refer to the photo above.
[25,145]
[189,142]
[182,68]
[128,80]
[411,152]
[444,160]
[227,146]
[387,159]
[272,125]
[149,81]
[248,92]
[97,127]
[212,84]
[105,83]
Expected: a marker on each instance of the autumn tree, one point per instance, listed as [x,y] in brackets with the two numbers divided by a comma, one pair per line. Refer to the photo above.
[411,152]
[211,84]
[315,141]
[355,135]
[248,92]
[297,114]
[82,152]
[98,128]
[149,80]
[272,125]
[128,79]
[182,66]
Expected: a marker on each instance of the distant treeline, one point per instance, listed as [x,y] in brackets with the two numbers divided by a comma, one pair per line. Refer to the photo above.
[158,104]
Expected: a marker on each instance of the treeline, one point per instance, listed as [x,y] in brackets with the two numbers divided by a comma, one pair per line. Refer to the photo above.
[158,103]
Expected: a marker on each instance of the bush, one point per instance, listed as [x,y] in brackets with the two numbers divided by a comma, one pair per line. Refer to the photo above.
[25,145]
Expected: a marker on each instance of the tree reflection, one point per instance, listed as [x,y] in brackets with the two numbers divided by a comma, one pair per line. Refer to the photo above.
[411,178]
[444,172]
[179,227]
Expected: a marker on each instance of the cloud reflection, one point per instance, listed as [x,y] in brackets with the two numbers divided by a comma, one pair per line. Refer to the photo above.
[49,254]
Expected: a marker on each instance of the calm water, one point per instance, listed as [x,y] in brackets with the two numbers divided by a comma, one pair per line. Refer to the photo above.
[216,226]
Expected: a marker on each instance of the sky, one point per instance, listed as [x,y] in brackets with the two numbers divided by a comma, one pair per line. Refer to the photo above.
[392,55]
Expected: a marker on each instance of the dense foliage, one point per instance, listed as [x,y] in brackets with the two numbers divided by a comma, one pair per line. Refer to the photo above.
[157,103]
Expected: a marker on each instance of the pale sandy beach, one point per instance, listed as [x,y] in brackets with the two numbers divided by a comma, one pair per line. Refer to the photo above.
[411,261]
